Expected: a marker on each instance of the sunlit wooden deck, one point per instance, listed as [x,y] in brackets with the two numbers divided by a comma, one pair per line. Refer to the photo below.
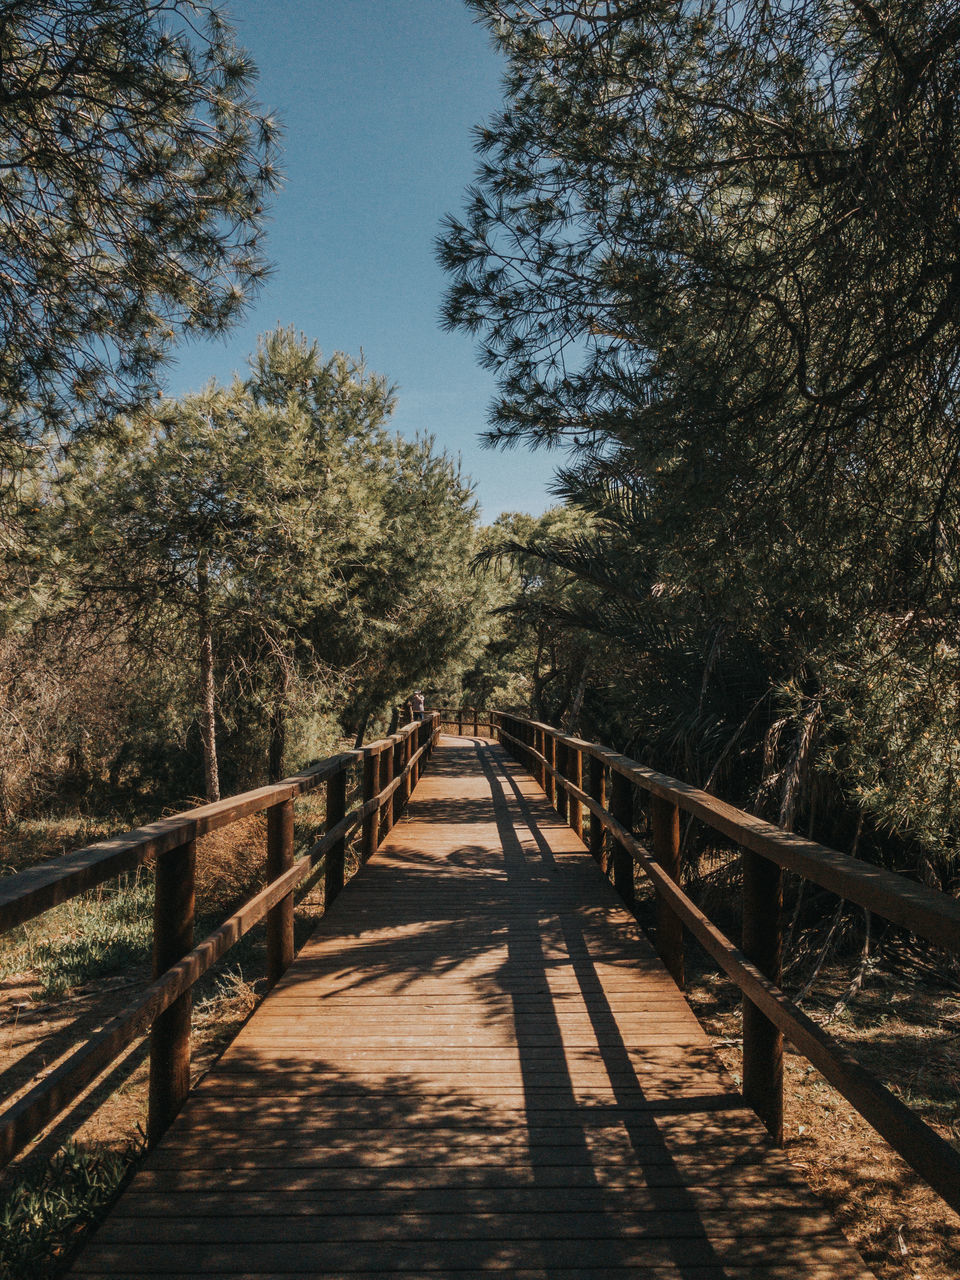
[476,1066]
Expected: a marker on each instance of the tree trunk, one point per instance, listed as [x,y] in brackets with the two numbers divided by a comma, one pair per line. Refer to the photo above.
[537,699]
[361,730]
[208,721]
[573,715]
[278,741]
[278,721]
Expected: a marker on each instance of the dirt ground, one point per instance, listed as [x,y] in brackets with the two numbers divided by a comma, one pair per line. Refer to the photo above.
[908,1033]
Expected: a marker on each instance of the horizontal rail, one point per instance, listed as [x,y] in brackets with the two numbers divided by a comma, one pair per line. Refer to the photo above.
[29,893]
[921,1146]
[467,720]
[30,1114]
[927,912]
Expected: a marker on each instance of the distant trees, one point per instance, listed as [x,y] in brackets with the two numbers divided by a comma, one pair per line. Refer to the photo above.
[133,170]
[269,552]
[535,653]
[712,252]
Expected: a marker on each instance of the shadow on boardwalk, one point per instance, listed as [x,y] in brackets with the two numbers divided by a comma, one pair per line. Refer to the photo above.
[477,1066]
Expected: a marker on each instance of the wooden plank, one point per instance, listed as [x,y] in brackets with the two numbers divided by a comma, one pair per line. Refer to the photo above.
[423,1256]
[591,1223]
[732,1270]
[477,1066]
[725,1181]
[613,1201]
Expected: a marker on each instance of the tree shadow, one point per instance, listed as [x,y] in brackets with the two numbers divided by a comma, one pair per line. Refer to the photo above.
[443,1084]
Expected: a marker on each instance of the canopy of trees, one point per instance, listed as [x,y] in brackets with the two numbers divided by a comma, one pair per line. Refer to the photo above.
[265,565]
[712,252]
[133,170]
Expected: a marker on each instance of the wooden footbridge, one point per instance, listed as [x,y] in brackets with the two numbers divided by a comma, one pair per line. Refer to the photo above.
[478,1064]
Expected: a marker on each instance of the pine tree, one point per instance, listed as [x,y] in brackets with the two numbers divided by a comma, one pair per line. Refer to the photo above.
[277,536]
[711,252]
[135,169]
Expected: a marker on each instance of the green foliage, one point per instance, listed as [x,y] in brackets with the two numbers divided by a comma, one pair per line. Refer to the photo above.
[535,652]
[43,1211]
[135,167]
[102,932]
[240,576]
[711,253]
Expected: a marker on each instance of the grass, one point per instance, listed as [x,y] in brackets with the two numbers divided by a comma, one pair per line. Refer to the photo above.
[106,931]
[45,1213]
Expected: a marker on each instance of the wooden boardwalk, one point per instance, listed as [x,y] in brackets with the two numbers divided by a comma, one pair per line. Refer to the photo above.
[477,1066]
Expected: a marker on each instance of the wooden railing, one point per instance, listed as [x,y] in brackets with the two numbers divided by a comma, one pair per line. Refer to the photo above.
[391,768]
[607,793]
[472,721]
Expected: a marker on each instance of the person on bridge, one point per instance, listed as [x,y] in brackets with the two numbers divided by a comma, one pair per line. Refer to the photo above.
[417,705]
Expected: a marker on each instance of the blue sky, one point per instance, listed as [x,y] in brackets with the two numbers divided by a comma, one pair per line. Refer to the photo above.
[377,99]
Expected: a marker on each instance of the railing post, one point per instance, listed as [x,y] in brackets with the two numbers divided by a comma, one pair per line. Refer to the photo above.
[279,917]
[459,722]
[538,771]
[550,751]
[762,943]
[476,723]
[621,808]
[174,905]
[336,809]
[665,827]
[563,807]
[421,738]
[370,836]
[397,771]
[386,777]
[575,775]
[598,792]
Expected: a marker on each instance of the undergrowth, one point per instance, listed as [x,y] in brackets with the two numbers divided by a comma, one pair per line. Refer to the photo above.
[107,930]
[45,1212]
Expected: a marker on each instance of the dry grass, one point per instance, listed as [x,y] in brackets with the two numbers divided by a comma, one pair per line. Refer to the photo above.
[231,866]
[905,1032]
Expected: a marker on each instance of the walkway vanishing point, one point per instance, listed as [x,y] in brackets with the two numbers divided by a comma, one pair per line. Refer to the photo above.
[476,1066]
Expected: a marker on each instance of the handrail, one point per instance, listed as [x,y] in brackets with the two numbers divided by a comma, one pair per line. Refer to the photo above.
[30,893]
[469,716]
[556,760]
[391,769]
[927,912]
